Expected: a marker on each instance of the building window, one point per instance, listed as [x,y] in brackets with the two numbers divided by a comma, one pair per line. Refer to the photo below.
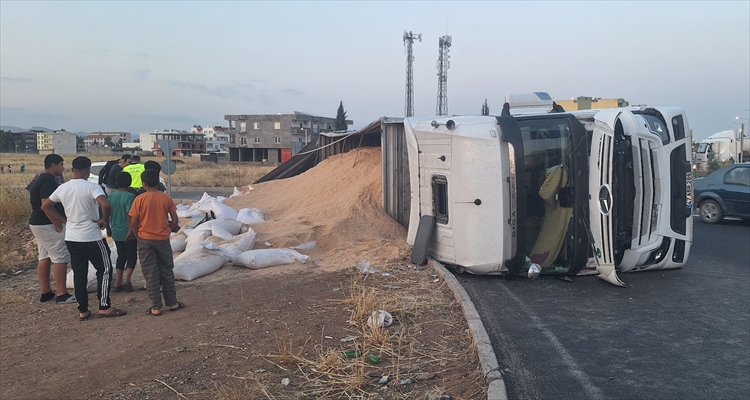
[277,125]
[243,141]
[256,125]
[440,199]
[315,128]
[256,140]
[243,126]
[277,140]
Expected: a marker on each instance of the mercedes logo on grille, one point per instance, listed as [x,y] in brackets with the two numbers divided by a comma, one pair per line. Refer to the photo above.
[605,200]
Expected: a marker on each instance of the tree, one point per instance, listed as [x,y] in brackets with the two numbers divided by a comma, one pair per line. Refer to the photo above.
[6,141]
[341,118]
[108,142]
[485,108]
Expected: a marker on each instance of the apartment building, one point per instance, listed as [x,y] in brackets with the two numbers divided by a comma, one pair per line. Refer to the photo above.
[273,138]
[217,138]
[59,142]
[590,103]
[188,143]
[99,138]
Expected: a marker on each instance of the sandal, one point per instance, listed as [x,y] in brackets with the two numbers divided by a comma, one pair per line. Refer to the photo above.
[86,316]
[117,288]
[150,311]
[127,286]
[179,306]
[114,313]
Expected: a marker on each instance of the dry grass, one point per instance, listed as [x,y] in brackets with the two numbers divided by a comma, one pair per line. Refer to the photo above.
[10,297]
[403,353]
[191,172]
[15,207]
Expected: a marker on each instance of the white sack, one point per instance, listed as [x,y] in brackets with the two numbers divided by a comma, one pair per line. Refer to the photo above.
[232,248]
[236,192]
[306,246]
[196,266]
[190,213]
[264,258]
[90,279]
[220,232]
[204,197]
[222,210]
[196,238]
[230,225]
[178,242]
[250,216]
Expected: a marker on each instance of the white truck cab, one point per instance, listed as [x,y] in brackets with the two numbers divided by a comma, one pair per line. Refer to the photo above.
[561,190]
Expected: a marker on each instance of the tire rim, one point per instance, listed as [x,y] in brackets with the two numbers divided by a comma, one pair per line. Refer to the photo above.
[709,212]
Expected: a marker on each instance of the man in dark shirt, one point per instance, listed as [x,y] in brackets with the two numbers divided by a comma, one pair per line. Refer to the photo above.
[111,175]
[50,243]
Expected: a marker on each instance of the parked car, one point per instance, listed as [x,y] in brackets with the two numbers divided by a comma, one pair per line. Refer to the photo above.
[724,193]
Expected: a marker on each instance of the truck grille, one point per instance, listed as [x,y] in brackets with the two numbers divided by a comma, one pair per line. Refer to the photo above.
[646,190]
[605,178]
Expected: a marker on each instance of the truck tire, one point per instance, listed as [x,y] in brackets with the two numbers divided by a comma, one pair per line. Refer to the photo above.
[711,212]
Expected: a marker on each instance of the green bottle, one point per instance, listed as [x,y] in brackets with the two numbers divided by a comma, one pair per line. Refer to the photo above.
[372,359]
[352,353]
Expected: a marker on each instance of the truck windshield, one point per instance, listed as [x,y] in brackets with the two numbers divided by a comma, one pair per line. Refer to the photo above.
[703,147]
[548,181]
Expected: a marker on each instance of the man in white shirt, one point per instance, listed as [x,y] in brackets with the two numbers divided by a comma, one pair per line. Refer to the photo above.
[83,236]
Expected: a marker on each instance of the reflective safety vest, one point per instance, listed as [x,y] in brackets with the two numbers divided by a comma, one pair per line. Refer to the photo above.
[135,171]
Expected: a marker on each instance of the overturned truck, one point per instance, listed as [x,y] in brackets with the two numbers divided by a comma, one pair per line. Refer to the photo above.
[553,191]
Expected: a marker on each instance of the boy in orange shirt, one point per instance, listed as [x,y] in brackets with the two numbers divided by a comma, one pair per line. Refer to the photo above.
[149,222]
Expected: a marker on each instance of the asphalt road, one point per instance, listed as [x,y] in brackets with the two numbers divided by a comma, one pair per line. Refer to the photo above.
[677,334]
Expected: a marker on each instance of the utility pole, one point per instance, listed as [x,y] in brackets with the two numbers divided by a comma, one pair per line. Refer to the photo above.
[443,64]
[409,103]
[742,137]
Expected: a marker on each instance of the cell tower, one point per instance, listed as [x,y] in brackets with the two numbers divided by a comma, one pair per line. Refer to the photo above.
[443,64]
[408,41]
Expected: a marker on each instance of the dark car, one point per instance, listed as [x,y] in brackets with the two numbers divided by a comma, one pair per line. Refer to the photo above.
[724,193]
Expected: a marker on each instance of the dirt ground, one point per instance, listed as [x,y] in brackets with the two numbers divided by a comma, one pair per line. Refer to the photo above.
[274,333]
[241,334]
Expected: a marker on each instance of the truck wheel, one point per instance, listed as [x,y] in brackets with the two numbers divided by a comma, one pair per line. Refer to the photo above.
[711,212]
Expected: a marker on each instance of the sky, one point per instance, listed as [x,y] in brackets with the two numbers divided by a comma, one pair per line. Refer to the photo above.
[140,66]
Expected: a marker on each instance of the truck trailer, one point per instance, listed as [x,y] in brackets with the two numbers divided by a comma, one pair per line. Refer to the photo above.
[553,191]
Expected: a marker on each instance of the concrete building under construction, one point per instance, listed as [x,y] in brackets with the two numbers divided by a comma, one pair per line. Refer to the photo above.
[590,103]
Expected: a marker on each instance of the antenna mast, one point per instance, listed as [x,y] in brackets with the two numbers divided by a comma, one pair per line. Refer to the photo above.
[443,64]
[409,103]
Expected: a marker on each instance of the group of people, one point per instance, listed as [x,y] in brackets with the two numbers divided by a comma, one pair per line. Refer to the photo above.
[68,218]
[10,168]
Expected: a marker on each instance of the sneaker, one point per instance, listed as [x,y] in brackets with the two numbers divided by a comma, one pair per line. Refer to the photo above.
[46,297]
[65,299]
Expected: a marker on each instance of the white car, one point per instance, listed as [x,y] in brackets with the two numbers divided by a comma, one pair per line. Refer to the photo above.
[96,167]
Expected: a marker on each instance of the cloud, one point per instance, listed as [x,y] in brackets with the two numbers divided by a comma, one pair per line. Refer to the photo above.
[161,118]
[145,56]
[265,99]
[100,51]
[15,79]
[241,90]
[141,74]
[293,92]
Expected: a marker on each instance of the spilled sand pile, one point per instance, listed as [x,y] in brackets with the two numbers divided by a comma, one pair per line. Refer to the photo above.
[338,203]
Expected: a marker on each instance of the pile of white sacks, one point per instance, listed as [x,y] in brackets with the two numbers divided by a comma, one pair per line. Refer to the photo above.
[206,248]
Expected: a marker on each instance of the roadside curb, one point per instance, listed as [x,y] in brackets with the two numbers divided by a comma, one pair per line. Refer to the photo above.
[487,357]
[200,189]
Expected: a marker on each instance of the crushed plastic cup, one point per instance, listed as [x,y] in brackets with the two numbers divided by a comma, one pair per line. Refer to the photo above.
[365,267]
[380,319]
